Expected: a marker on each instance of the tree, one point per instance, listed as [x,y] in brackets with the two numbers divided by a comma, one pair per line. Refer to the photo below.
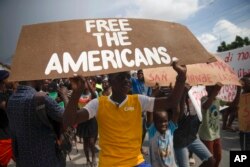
[238,43]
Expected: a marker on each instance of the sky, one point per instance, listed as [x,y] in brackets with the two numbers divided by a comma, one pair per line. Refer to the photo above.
[211,21]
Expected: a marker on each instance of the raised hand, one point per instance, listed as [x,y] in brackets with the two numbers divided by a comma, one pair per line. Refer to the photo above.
[77,83]
[180,69]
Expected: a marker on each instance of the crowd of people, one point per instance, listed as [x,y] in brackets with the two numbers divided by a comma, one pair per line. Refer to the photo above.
[117,110]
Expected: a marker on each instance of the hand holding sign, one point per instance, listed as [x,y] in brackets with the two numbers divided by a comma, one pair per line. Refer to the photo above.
[78,83]
[181,70]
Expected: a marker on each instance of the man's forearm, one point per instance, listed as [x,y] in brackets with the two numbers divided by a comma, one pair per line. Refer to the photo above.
[178,89]
[70,113]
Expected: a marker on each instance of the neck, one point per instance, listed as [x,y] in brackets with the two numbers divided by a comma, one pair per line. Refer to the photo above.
[118,98]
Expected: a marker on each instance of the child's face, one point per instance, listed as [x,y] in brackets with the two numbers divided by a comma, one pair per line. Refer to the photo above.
[161,121]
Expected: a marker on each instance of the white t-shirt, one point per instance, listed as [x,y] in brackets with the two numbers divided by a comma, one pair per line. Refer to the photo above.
[147,104]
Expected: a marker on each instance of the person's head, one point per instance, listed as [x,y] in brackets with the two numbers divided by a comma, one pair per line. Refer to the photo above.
[92,82]
[105,83]
[140,75]
[4,75]
[45,84]
[161,121]
[213,88]
[246,83]
[120,82]
[99,79]
[52,86]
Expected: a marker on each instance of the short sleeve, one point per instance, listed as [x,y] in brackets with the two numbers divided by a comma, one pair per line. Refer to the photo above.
[151,131]
[147,103]
[172,127]
[92,107]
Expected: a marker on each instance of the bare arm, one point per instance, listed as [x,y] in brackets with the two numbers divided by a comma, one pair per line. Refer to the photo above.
[63,92]
[173,100]
[183,102]
[71,114]
[176,114]
[91,89]
[211,97]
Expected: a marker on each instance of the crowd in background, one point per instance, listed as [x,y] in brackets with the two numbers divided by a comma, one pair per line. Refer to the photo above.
[174,132]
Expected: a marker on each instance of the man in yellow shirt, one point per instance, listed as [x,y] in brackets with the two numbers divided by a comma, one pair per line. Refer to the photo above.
[119,117]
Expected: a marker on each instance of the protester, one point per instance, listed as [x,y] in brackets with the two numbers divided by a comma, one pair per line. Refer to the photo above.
[106,87]
[185,137]
[5,140]
[245,136]
[161,138]
[98,84]
[119,117]
[33,141]
[88,130]
[209,131]
[229,114]
[139,87]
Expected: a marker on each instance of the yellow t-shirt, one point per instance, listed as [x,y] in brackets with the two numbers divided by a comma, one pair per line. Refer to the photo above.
[120,130]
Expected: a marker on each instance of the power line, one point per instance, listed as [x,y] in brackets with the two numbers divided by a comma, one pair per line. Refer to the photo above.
[225,12]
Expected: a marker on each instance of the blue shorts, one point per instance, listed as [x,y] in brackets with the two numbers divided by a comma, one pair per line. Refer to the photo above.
[144,164]
[197,147]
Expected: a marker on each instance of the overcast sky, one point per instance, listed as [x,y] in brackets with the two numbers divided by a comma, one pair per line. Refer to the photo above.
[211,21]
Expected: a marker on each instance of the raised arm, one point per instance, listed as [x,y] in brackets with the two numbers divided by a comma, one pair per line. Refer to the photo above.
[173,100]
[212,93]
[71,114]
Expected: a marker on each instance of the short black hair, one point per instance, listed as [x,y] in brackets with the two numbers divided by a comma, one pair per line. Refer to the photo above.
[139,71]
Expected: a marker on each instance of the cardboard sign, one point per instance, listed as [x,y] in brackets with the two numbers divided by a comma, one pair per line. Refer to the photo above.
[227,93]
[197,74]
[195,94]
[238,59]
[101,46]
[244,112]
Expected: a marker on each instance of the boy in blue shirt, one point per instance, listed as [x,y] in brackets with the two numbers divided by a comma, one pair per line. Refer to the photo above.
[161,139]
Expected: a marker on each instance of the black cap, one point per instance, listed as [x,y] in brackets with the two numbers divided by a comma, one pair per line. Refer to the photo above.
[4,74]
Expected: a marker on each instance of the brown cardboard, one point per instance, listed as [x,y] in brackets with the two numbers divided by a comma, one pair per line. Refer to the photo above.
[197,74]
[37,43]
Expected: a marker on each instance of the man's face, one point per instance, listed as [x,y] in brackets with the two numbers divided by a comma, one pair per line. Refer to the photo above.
[105,84]
[140,75]
[120,83]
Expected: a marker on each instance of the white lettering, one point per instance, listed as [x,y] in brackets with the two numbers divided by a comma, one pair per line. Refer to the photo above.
[113,38]
[89,25]
[54,64]
[118,58]
[124,59]
[93,60]
[243,157]
[99,38]
[240,158]
[69,62]
[122,37]
[102,24]
[124,25]
[237,158]
[108,56]
[139,58]
[113,25]
[152,55]
[163,52]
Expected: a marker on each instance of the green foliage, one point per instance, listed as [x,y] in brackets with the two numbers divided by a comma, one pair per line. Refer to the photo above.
[238,43]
